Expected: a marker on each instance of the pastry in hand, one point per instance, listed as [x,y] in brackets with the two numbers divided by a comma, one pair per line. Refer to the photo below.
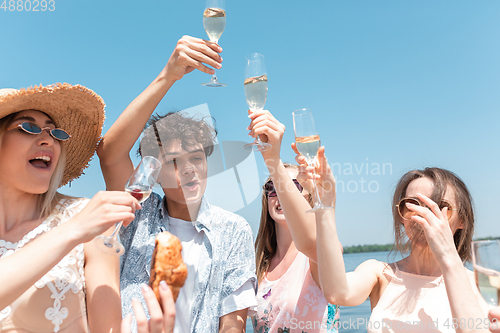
[167,264]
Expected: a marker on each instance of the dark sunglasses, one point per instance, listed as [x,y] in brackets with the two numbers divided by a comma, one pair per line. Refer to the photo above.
[406,214]
[271,191]
[33,128]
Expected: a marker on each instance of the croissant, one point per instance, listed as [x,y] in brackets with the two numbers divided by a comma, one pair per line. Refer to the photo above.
[167,264]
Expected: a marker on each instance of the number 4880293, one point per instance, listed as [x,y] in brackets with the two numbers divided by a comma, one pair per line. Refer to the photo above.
[28,5]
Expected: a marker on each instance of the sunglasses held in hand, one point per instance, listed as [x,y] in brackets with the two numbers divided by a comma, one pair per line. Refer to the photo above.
[406,214]
[33,128]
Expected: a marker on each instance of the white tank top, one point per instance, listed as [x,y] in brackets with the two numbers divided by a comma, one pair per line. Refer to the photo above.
[412,303]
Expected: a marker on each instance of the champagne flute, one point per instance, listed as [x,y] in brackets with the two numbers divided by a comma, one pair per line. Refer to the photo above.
[486,262]
[214,22]
[139,185]
[308,142]
[256,92]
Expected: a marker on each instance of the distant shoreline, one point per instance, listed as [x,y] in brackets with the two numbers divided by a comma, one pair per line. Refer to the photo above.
[386,247]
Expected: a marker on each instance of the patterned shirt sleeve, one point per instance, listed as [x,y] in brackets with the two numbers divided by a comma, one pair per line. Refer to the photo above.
[240,261]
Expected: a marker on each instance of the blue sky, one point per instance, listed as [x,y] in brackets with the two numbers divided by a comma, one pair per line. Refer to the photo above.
[405,84]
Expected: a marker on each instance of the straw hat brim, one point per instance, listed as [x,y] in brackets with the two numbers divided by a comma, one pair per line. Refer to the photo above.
[74,108]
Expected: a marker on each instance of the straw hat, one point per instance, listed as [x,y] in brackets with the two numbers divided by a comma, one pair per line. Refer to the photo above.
[74,108]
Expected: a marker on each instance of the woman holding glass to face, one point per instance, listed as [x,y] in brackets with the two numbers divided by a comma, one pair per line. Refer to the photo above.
[429,290]
[289,299]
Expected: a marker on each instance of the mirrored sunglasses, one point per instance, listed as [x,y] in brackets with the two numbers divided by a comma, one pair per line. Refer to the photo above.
[406,214]
[33,128]
[271,191]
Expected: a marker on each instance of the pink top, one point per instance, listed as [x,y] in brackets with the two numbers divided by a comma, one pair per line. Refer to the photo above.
[412,303]
[294,303]
[56,302]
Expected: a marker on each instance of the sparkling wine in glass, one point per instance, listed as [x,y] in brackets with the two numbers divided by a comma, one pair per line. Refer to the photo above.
[214,22]
[139,185]
[486,262]
[255,85]
[308,142]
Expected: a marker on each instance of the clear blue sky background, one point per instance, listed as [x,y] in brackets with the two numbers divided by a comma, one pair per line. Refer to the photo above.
[406,83]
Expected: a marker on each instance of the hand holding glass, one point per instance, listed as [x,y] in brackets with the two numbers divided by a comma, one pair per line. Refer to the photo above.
[139,185]
[256,92]
[308,142]
[214,22]
[486,262]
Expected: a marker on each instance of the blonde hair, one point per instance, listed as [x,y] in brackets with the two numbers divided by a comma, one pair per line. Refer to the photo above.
[265,242]
[46,201]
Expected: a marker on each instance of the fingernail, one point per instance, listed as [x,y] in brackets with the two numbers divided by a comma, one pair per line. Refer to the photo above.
[221,60]
[212,71]
[144,287]
[163,285]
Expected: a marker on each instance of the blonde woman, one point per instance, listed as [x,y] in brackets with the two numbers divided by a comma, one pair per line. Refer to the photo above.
[289,299]
[51,278]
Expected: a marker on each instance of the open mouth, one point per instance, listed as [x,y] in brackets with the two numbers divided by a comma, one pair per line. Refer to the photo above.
[41,162]
[192,185]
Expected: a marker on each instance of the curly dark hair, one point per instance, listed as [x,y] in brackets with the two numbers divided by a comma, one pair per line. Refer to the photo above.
[177,126]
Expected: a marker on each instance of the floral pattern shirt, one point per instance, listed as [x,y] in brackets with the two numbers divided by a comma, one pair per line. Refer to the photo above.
[227,262]
[294,303]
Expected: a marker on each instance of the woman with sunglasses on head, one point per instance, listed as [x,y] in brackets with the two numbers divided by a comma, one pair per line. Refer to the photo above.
[429,290]
[51,278]
[289,299]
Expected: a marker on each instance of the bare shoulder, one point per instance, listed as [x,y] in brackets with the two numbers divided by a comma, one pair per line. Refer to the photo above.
[380,272]
[374,266]
[376,270]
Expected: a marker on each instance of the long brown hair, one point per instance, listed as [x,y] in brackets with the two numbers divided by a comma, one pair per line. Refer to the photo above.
[265,242]
[441,178]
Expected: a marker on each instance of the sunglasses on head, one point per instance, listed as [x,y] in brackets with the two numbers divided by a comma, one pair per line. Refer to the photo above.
[33,128]
[271,191]
[406,214]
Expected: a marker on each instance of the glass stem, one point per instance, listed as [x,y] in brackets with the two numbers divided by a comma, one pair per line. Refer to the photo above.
[214,76]
[256,141]
[115,232]
[317,202]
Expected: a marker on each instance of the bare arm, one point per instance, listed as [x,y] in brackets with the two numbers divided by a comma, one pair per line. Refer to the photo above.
[463,300]
[190,53]
[30,263]
[102,281]
[338,287]
[233,322]
[300,223]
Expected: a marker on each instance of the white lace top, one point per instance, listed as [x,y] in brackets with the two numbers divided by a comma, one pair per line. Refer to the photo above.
[56,302]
